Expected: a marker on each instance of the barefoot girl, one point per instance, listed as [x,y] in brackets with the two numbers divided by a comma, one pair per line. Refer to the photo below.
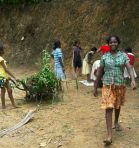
[113,91]
[58,59]
[77,59]
[4,80]
[87,63]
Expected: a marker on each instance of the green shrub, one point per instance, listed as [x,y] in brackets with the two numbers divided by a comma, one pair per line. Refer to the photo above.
[44,84]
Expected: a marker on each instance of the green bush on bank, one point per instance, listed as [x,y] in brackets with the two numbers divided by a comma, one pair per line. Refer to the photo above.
[43,84]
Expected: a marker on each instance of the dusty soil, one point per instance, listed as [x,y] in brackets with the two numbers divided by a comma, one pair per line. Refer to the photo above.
[75,122]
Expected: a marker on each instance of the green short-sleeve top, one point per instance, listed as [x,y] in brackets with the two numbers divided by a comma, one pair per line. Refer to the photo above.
[114,68]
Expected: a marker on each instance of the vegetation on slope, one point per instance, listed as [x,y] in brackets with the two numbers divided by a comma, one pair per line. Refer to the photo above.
[39,25]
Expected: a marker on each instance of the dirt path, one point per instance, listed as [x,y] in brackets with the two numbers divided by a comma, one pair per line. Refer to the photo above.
[75,122]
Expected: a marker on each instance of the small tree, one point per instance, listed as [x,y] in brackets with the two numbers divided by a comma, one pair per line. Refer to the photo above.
[43,85]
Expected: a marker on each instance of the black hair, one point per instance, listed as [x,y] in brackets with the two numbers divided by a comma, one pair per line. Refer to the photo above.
[128,49]
[94,49]
[1,47]
[75,43]
[57,44]
[117,38]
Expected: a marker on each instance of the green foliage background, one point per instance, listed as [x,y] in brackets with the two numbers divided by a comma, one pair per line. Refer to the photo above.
[40,23]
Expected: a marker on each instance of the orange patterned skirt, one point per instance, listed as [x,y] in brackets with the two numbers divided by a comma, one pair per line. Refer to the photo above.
[113,96]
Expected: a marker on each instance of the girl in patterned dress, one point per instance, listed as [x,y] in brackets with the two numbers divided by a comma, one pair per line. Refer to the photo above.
[113,92]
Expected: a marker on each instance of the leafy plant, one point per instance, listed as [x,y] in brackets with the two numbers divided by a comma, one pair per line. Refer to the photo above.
[44,84]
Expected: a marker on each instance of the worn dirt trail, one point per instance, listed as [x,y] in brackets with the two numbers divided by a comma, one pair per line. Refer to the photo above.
[75,122]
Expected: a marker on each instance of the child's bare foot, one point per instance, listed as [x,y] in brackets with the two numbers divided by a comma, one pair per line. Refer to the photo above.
[14,106]
[3,107]
[108,141]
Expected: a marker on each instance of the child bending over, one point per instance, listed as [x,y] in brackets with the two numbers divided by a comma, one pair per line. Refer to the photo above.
[4,80]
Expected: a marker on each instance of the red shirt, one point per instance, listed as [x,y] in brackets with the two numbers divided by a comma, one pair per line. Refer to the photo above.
[104,48]
[131,58]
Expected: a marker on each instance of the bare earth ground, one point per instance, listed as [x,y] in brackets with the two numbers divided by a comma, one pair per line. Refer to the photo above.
[75,122]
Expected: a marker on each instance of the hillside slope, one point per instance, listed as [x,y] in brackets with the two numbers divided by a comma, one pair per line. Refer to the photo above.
[27,30]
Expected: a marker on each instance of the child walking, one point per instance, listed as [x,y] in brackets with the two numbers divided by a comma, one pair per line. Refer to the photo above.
[77,58]
[4,80]
[113,91]
[87,63]
[58,59]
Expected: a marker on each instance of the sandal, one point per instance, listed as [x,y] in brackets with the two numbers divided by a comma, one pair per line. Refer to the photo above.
[108,141]
[113,127]
[118,127]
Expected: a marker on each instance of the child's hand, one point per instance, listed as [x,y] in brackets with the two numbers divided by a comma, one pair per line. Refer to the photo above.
[63,69]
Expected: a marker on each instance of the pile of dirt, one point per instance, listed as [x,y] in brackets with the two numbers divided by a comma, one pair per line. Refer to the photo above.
[27,30]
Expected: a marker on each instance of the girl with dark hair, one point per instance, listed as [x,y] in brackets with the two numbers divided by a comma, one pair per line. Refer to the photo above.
[4,80]
[113,91]
[87,63]
[77,60]
[58,59]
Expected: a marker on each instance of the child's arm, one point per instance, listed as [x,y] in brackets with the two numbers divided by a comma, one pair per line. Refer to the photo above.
[6,70]
[72,56]
[61,63]
[81,53]
[99,51]
[131,73]
[60,55]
